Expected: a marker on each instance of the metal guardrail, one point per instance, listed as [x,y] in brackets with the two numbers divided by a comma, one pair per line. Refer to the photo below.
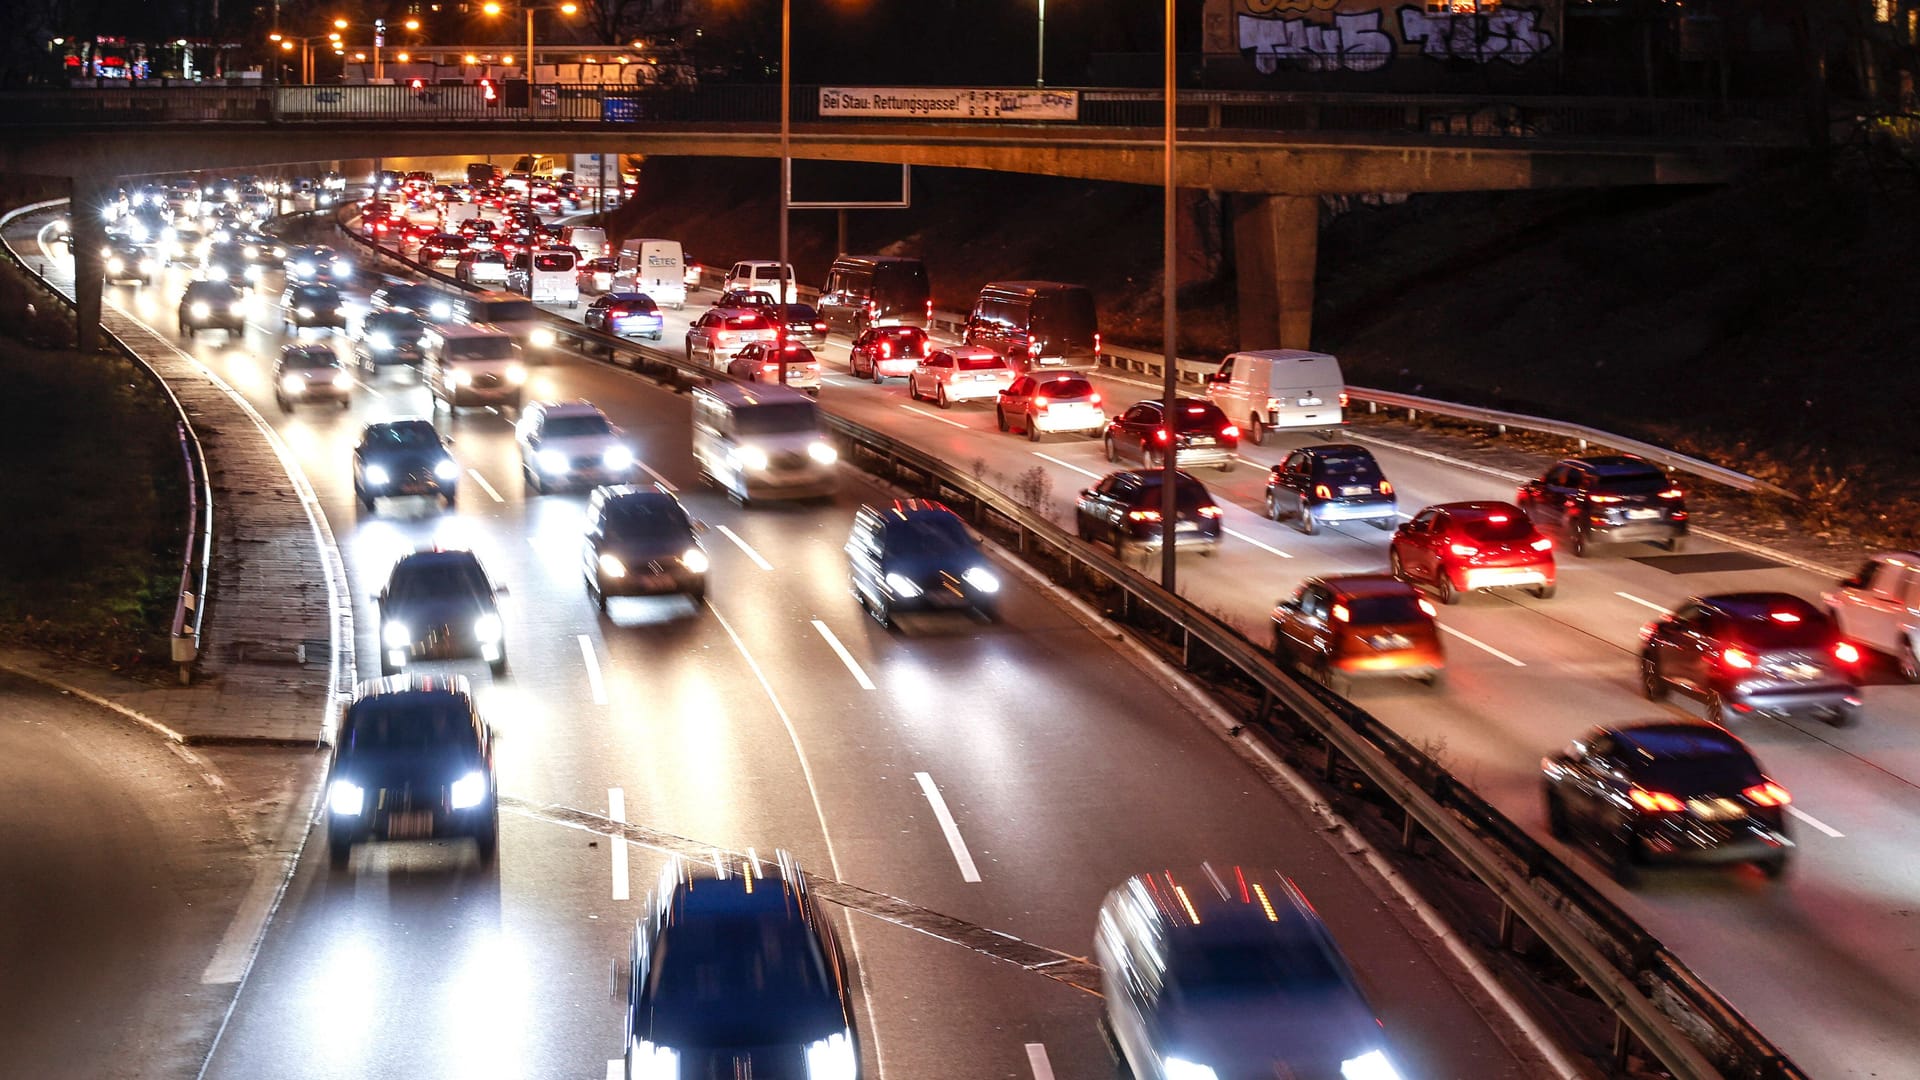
[1656,1000]
[196,556]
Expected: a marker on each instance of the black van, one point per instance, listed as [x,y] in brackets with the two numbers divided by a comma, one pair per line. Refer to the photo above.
[1036,324]
[875,290]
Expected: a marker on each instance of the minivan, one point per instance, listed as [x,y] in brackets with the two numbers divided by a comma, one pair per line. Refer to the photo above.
[1280,388]
[655,267]
[875,290]
[472,365]
[765,276]
[755,441]
[1036,324]
[589,240]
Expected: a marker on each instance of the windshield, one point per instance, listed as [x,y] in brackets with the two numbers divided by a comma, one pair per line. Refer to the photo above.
[1235,968]
[552,262]
[1201,416]
[560,427]
[1694,773]
[1065,388]
[630,305]
[1189,494]
[646,517]
[1637,482]
[309,358]
[927,534]
[411,723]
[312,295]
[481,348]
[393,322]
[777,419]
[746,322]
[417,435]
[437,580]
[1347,470]
[1066,317]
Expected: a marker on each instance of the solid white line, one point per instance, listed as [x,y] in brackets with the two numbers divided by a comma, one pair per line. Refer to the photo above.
[661,480]
[616,1068]
[617,812]
[744,546]
[1814,821]
[593,670]
[933,416]
[484,486]
[1478,644]
[1643,603]
[1037,1061]
[845,656]
[230,959]
[1089,473]
[1237,535]
[949,828]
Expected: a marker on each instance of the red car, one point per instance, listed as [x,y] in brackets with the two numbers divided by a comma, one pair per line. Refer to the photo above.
[1459,547]
[883,351]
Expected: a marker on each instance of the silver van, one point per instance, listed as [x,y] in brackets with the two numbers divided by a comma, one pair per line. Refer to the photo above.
[466,364]
[1280,388]
[762,442]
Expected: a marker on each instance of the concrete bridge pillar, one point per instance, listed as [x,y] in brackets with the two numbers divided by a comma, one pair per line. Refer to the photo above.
[89,231]
[1276,245]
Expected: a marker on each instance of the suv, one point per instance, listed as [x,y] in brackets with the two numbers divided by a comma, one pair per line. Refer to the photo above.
[763,275]
[917,554]
[387,338]
[403,457]
[1204,435]
[1124,509]
[570,443]
[1879,607]
[1464,546]
[1618,497]
[1331,482]
[789,363]
[640,542]
[880,352]
[212,305]
[412,760]
[310,373]
[724,331]
[1770,654]
[302,306]
[1049,403]
[439,605]
[1358,624]
[959,373]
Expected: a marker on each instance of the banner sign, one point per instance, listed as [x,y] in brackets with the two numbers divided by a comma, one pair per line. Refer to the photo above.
[936,103]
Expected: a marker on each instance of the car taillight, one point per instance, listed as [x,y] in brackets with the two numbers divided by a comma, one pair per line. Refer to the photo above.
[1604,498]
[768,369]
[1341,614]
[1736,658]
[1322,491]
[1845,652]
[1768,793]
[1096,343]
[1386,487]
[723,337]
[1672,493]
[1230,432]
[1093,399]
[1144,515]
[1655,802]
[1210,511]
[886,350]
[1463,549]
[820,326]
[1427,606]
[1542,544]
[1343,399]
[1041,403]
[1160,435]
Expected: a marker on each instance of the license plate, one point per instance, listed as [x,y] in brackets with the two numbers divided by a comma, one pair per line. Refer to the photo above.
[409,824]
[1309,402]
[1360,490]
[413,489]
[1204,440]
[1715,809]
[1642,515]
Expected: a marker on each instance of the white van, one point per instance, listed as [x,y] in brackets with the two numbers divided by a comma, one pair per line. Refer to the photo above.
[1280,388]
[472,365]
[762,442]
[764,276]
[654,267]
[455,214]
[589,240]
[546,276]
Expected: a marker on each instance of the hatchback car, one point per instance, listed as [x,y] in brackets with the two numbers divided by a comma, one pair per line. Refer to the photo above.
[1617,497]
[304,373]
[443,251]
[124,262]
[319,264]
[1229,974]
[302,306]
[1042,404]
[1331,482]
[801,323]
[787,363]
[389,339]
[413,760]
[403,457]
[959,373]
[212,305]
[640,542]
[481,268]
[440,605]
[1667,792]
[885,352]
[735,971]
[1764,653]
[1201,434]
[918,555]
[596,275]
[626,314]
[570,444]
[1125,509]
[1356,625]
[1461,547]
[753,299]
[719,334]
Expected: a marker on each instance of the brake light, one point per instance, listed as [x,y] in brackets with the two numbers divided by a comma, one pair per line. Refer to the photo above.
[1604,498]
[1386,487]
[1040,402]
[1784,616]
[1160,435]
[1427,606]
[1343,399]
[1230,432]
[1672,493]
[769,369]
[1845,652]
[1096,343]
[1209,511]
[1093,399]
[1144,515]
[929,308]
[723,337]
[1340,613]
[1655,802]
[1768,793]
[1542,544]
[1463,549]
[1497,519]
[886,350]
[1322,491]
[820,326]
[1736,658]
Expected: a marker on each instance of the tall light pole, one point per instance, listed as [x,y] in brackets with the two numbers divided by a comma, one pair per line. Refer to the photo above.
[1169,338]
[786,159]
[1040,65]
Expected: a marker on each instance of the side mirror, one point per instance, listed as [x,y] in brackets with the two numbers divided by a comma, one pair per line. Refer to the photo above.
[1217,378]
[501,590]
[1086,493]
[1288,604]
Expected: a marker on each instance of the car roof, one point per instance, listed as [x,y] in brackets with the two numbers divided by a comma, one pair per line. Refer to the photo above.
[1614,464]
[1758,606]
[1678,739]
[732,312]
[1368,585]
[1331,451]
[412,683]
[1478,510]
[1231,903]
[912,509]
[1153,477]
[415,560]
[577,407]
[625,297]
[971,352]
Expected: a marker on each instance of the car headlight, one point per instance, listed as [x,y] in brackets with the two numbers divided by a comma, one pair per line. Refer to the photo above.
[833,1058]
[292,384]
[396,635]
[1372,1065]
[982,579]
[1182,1069]
[900,586]
[617,458]
[486,628]
[239,307]
[304,269]
[148,266]
[378,474]
[516,374]
[652,1062]
[551,461]
[305,312]
[543,337]
[468,791]
[200,309]
[447,470]
[612,567]
[380,341]
[346,798]
[139,232]
[342,268]
[751,457]
[251,251]
[251,273]
[440,310]
[694,560]
[343,381]
[116,264]
[823,452]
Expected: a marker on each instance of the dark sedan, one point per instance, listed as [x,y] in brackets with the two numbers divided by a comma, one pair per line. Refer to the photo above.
[640,542]
[403,457]
[1124,509]
[439,605]
[389,338]
[918,555]
[1744,654]
[212,305]
[302,306]
[626,314]
[801,323]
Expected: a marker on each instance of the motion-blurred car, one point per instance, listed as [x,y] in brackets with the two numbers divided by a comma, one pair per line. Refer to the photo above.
[735,971]
[440,605]
[413,760]
[570,444]
[1879,607]
[1201,435]
[1615,497]
[228,262]
[596,275]
[308,373]
[481,267]
[753,299]
[389,339]
[1049,403]
[1461,547]
[959,373]
[429,303]
[120,261]
[626,314]
[1329,483]
[787,364]
[801,323]
[403,457]
[319,264]
[1356,625]
[1667,792]
[1229,974]
[884,352]
[302,306]
[1758,653]
[718,335]
[640,542]
[1124,509]
[212,305]
[442,251]
[917,555]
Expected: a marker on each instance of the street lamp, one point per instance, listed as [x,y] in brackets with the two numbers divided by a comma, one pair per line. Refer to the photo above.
[1169,343]
[287,42]
[493,7]
[1040,64]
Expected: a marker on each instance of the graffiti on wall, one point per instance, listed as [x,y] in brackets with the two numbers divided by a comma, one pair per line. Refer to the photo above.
[1327,35]
[1354,41]
[1506,35]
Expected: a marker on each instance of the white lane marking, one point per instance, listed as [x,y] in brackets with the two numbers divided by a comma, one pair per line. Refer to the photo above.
[484,486]
[1089,473]
[369,388]
[1815,822]
[230,959]
[949,828]
[616,1068]
[846,657]
[744,546]
[1643,603]
[617,812]
[593,671]
[933,416]
[1478,644]
[661,480]
[1238,535]
[1037,1061]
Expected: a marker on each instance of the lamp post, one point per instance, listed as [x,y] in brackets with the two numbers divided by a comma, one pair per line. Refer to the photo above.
[287,43]
[1040,64]
[786,157]
[1169,362]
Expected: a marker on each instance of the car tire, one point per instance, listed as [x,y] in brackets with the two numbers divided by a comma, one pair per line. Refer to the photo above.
[1256,431]
[1716,708]
[1227,465]
[486,842]
[1676,543]
[1033,429]
[1434,680]
[1384,524]
[1652,683]
[366,500]
[1580,541]
[1773,869]
[1558,826]
[285,405]
[1307,524]
[187,330]
[339,849]
[1444,590]
[532,479]
[1395,566]
[1909,660]
[940,396]
[498,667]
[1273,507]
[913,389]
[1544,592]
[1113,452]
[599,597]
[1844,716]
[1623,862]
[1000,418]
[878,379]
[450,498]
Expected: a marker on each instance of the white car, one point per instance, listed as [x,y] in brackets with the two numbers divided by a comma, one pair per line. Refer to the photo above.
[765,276]
[960,373]
[1879,607]
[570,444]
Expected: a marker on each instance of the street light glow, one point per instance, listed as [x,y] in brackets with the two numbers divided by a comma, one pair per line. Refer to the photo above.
[507,59]
[413,24]
[470,59]
[339,24]
[402,57]
[490,8]
[287,45]
[360,56]
[335,36]
[569,9]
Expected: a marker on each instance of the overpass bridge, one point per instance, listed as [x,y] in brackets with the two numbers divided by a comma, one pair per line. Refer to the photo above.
[1277,152]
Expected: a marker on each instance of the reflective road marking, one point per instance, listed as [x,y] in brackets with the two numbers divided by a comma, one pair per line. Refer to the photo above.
[949,828]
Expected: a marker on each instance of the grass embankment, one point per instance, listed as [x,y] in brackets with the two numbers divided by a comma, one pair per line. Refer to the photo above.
[95,493]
